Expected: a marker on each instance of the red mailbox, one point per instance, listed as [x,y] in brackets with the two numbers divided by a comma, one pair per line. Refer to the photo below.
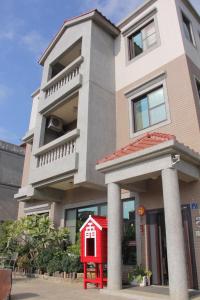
[94,248]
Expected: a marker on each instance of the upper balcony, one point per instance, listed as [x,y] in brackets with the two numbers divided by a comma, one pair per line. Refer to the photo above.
[57,155]
[63,77]
[64,83]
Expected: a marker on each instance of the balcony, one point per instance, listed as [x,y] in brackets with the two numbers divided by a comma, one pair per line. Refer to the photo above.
[61,85]
[56,159]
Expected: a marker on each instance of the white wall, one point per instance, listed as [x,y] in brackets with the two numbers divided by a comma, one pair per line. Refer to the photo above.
[170,48]
[35,102]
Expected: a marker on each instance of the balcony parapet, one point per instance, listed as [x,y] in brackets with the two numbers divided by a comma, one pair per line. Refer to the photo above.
[57,149]
[62,84]
[57,158]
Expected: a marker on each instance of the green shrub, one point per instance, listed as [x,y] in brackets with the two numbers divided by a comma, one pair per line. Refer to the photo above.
[43,258]
[75,264]
[65,262]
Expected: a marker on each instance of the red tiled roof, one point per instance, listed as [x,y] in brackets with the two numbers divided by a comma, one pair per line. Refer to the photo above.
[102,221]
[147,141]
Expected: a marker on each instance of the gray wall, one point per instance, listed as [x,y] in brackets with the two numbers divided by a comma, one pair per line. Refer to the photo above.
[101,114]
[11,166]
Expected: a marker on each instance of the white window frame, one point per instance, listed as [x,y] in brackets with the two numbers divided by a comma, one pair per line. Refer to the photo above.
[147,87]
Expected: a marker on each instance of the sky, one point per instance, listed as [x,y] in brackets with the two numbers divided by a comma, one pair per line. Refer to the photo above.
[26,28]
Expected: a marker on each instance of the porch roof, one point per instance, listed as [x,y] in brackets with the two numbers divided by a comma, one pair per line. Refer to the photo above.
[146,141]
[147,156]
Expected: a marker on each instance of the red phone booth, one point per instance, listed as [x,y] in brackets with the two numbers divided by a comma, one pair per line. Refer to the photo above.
[94,248]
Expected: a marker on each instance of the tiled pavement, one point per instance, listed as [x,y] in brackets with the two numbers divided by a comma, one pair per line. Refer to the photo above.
[41,289]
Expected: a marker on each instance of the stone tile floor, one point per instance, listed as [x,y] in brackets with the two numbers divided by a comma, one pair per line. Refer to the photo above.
[41,289]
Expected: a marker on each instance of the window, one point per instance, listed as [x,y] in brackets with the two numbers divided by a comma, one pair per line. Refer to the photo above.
[149,109]
[75,218]
[188,29]
[129,233]
[142,40]
[198,87]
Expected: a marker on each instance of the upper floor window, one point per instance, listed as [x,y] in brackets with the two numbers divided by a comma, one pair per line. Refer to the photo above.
[188,29]
[149,109]
[142,39]
[198,87]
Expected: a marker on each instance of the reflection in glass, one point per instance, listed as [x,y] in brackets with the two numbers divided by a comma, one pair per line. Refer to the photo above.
[137,43]
[141,114]
[84,213]
[129,234]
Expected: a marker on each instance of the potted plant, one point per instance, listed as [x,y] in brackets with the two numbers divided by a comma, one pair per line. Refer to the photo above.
[139,277]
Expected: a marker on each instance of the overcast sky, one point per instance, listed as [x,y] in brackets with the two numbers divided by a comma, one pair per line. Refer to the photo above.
[26,27]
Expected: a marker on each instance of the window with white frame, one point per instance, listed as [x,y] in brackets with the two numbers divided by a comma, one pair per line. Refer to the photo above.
[149,109]
[142,39]
[187,26]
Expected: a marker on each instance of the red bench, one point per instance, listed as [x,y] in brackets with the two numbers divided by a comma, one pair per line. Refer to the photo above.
[5,284]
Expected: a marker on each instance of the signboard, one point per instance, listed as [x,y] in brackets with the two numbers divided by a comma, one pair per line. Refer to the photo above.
[194,205]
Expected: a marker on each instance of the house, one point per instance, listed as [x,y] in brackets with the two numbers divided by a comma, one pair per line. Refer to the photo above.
[11,162]
[115,125]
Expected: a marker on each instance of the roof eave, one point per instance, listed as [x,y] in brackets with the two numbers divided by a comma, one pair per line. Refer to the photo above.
[95,16]
[135,13]
[168,147]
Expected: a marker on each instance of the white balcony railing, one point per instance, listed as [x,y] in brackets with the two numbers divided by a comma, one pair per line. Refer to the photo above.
[58,149]
[63,78]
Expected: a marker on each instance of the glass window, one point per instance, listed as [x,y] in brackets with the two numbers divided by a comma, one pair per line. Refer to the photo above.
[84,213]
[149,35]
[149,109]
[129,234]
[137,43]
[187,29]
[74,219]
[142,39]
[141,114]
[103,210]
[70,223]
[198,87]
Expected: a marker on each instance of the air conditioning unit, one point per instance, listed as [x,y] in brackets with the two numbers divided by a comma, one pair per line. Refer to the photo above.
[55,124]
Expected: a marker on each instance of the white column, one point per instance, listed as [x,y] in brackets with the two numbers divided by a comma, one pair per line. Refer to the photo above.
[114,237]
[174,235]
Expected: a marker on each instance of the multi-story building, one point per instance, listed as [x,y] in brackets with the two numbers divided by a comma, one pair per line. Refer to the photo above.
[134,86]
[11,167]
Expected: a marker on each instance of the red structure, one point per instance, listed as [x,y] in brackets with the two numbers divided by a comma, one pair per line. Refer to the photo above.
[94,248]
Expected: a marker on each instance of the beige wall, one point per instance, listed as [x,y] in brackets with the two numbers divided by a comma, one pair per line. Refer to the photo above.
[194,74]
[184,121]
[153,199]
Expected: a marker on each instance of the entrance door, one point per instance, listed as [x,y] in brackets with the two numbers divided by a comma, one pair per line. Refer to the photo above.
[158,248]
[189,247]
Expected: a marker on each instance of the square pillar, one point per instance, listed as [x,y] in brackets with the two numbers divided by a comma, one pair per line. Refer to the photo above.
[174,236]
[114,237]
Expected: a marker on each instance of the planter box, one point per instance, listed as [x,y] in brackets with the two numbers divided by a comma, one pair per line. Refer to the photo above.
[145,282]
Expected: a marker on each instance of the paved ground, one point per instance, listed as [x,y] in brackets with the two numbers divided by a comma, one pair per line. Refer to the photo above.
[40,289]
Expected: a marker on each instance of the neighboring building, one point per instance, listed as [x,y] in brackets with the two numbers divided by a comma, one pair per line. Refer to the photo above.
[11,167]
[106,86]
